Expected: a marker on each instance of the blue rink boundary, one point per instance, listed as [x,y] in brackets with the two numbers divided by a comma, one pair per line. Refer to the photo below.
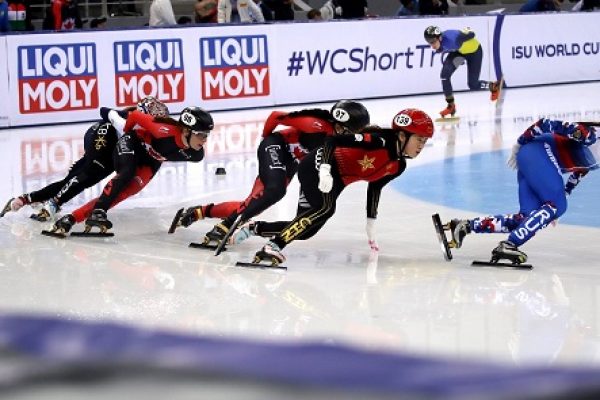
[482,183]
[332,367]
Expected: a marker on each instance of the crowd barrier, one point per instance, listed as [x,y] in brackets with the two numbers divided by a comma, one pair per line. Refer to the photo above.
[64,77]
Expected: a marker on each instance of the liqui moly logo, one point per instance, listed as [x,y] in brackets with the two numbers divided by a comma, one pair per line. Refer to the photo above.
[234,67]
[149,68]
[57,78]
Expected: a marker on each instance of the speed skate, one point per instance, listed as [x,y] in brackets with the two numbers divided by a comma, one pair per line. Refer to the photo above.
[447,245]
[441,235]
[499,264]
[449,120]
[260,265]
[61,234]
[205,246]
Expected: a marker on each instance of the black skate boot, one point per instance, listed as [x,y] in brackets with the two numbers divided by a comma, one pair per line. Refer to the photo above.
[508,251]
[99,220]
[459,228]
[216,234]
[271,253]
[186,217]
[61,227]
[213,239]
[193,214]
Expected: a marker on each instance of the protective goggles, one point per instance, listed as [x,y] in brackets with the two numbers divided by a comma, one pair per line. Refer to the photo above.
[202,134]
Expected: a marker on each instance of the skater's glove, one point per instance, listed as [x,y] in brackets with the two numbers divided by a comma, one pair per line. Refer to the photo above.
[573,181]
[371,234]
[117,121]
[512,160]
[189,216]
[325,178]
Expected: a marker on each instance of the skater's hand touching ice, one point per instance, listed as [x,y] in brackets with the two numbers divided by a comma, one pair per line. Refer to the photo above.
[512,160]
[371,234]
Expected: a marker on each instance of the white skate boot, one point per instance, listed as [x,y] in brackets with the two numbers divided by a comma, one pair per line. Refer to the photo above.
[242,233]
[270,252]
[48,212]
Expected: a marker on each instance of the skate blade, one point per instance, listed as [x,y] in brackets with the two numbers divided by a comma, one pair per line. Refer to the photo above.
[221,246]
[175,221]
[58,235]
[204,246]
[260,265]
[501,265]
[6,208]
[447,119]
[92,234]
[439,230]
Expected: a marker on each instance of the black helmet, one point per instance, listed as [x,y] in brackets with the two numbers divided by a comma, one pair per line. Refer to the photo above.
[196,119]
[351,114]
[432,33]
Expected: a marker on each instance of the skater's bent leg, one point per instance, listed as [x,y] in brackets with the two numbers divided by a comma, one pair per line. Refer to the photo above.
[474,71]
[501,223]
[275,166]
[542,185]
[307,224]
[221,210]
[450,64]
[128,155]
[143,176]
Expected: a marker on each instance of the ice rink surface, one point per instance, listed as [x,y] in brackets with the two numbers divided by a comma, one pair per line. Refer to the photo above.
[405,297]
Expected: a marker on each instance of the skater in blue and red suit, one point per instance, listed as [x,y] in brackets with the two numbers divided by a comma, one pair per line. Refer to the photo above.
[545,151]
[461,47]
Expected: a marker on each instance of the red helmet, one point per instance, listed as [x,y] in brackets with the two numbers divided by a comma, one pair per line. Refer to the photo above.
[414,121]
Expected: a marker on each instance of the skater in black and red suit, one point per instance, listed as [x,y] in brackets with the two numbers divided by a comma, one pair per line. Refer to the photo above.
[95,164]
[139,155]
[376,155]
[278,156]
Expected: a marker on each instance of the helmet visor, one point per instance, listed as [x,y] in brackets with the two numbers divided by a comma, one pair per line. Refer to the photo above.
[202,134]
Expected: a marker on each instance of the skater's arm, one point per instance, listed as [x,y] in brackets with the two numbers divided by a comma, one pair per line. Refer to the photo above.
[463,36]
[539,128]
[365,140]
[272,122]
[117,118]
[369,141]
[574,180]
[578,132]
[374,192]
[187,155]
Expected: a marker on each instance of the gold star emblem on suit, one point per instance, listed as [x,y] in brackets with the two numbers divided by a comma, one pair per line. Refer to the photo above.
[366,163]
[100,142]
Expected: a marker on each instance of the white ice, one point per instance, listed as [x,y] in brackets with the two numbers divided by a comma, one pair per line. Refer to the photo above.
[406,297]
